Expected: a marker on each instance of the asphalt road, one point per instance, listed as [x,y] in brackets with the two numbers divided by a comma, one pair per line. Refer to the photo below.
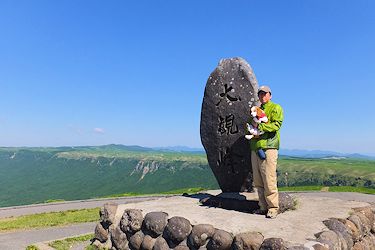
[21,239]
[69,205]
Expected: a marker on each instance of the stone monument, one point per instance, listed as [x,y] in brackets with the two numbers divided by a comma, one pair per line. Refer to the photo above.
[231,90]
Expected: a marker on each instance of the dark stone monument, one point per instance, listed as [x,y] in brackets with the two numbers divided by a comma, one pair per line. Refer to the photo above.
[231,90]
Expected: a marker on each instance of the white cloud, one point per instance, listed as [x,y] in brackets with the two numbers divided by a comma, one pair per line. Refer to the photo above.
[99,130]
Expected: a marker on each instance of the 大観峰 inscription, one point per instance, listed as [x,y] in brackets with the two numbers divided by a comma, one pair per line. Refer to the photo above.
[229,94]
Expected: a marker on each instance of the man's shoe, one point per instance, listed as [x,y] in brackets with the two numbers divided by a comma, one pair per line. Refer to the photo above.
[272,214]
[260,211]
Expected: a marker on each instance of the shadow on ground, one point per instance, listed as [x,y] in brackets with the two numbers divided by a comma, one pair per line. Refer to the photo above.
[238,202]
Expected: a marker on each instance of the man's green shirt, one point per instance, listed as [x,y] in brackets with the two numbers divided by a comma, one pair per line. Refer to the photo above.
[271,136]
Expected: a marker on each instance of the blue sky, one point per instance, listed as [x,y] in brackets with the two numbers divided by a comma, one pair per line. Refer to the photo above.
[134,72]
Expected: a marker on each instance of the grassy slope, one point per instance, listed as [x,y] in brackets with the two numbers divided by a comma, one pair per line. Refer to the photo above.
[34,175]
[345,172]
[345,167]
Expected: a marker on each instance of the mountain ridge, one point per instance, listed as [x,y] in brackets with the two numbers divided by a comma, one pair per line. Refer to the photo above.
[320,154]
[301,153]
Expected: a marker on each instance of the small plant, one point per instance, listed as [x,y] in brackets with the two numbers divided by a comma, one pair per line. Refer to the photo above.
[295,204]
[32,247]
[51,201]
[93,247]
[67,243]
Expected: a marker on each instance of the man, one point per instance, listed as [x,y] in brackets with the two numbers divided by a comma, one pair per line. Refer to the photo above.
[264,152]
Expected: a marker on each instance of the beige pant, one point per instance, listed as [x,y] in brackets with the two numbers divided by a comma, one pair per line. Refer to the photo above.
[265,179]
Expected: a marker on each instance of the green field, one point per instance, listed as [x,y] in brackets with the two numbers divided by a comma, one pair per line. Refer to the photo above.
[344,172]
[362,190]
[50,219]
[37,175]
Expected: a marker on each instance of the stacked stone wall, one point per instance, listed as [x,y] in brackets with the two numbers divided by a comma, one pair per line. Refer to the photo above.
[156,231]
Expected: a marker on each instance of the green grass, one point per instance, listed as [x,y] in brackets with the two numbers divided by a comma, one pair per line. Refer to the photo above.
[362,190]
[185,190]
[352,189]
[301,188]
[343,167]
[32,247]
[326,172]
[52,201]
[123,195]
[93,247]
[67,243]
[49,219]
[177,191]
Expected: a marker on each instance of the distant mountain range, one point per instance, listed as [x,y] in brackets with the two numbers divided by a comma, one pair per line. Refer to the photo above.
[285,152]
[180,149]
[322,154]
[300,153]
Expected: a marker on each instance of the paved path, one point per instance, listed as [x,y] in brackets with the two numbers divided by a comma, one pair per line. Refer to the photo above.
[20,240]
[68,205]
[346,196]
